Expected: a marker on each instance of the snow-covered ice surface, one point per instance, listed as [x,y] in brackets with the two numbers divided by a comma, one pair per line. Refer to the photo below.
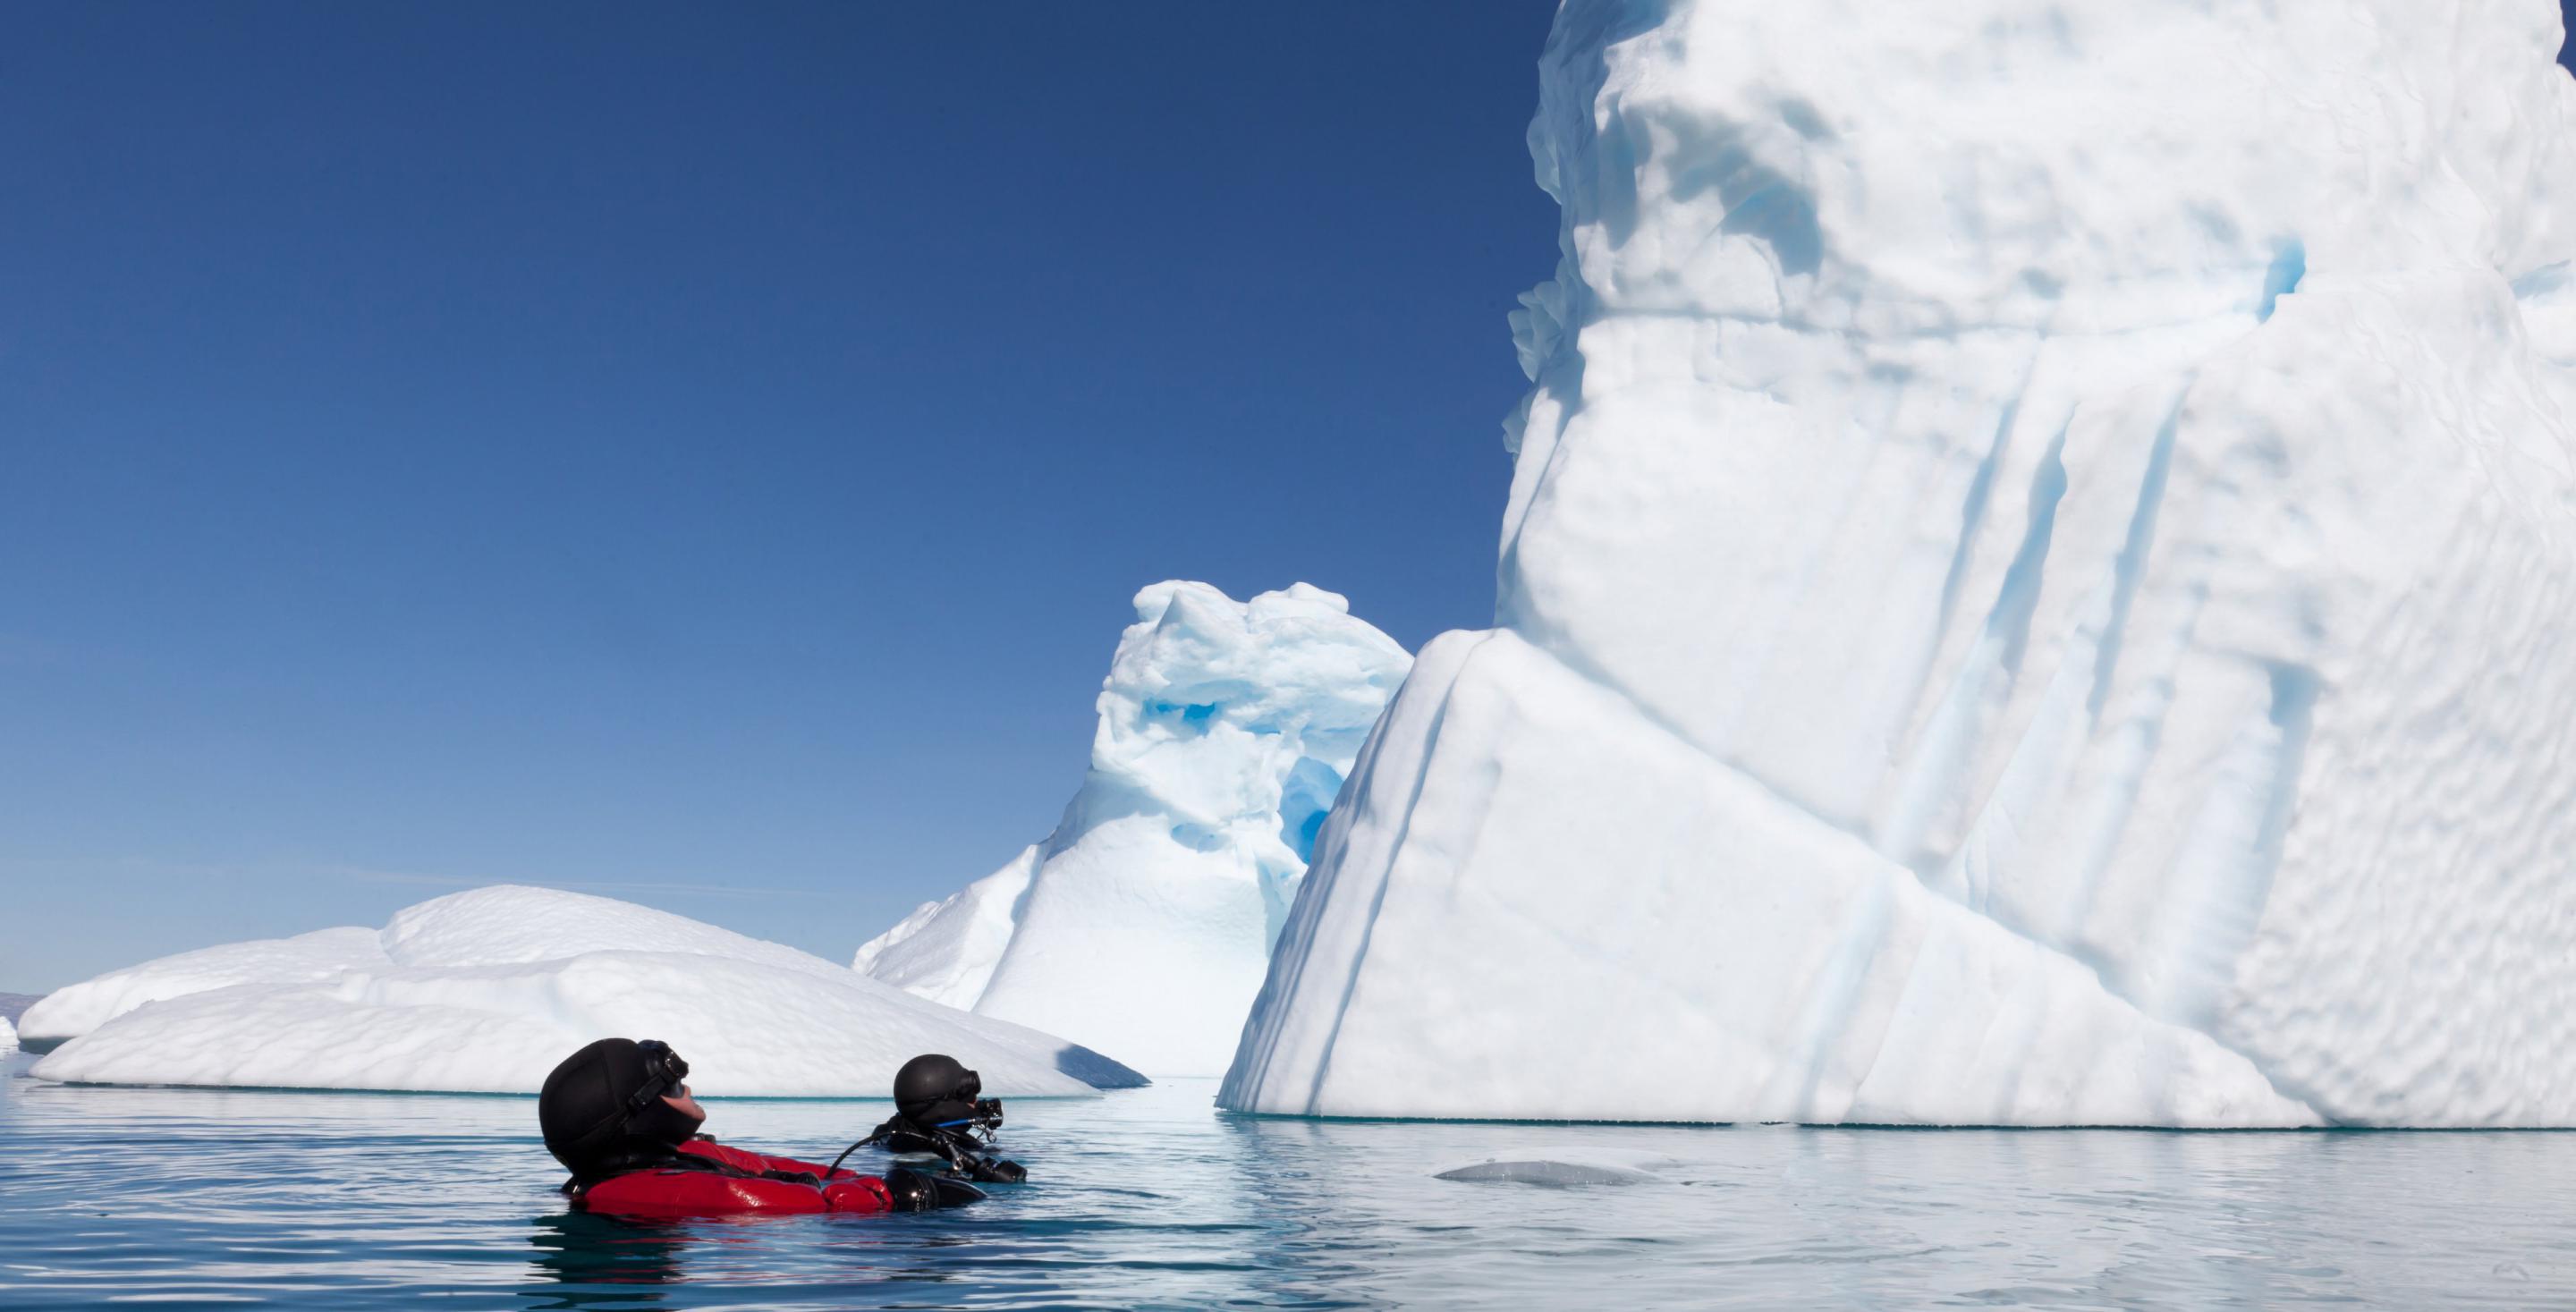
[484,991]
[8,1035]
[306,958]
[2038,588]
[946,950]
[1143,924]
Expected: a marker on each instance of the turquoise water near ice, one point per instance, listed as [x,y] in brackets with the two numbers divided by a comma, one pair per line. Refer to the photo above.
[1151,1198]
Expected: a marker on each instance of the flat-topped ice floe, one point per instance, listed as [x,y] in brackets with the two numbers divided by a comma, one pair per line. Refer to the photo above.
[484,991]
[1143,924]
[2039,587]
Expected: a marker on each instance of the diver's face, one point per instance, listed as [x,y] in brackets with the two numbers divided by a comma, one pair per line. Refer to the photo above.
[686,1104]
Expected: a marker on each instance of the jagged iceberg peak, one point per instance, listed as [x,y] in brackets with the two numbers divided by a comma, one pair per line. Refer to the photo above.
[1144,922]
[485,990]
[1236,720]
[2039,587]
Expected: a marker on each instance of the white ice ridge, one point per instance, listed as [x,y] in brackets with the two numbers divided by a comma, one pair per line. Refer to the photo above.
[8,1035]
[484,991]
[1143,924]
[2039,587]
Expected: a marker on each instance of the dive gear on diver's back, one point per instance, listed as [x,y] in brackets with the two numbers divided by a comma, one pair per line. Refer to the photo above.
[939,1110]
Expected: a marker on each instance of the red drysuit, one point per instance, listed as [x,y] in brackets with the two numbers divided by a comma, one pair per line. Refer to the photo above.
[678,1191]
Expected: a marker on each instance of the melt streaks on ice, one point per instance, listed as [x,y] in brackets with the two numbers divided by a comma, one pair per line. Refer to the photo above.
[2026,597]
[1143,924]
[484,991]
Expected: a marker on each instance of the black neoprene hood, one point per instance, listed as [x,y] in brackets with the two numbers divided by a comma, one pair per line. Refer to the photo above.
[935,1088]
[583,1109]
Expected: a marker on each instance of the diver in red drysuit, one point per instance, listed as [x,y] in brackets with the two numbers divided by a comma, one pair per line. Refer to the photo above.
[618,1114]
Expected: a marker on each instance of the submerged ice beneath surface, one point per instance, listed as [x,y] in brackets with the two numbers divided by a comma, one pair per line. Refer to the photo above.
[2026,597]
[1545,1174]
[484,991]
[1143,924]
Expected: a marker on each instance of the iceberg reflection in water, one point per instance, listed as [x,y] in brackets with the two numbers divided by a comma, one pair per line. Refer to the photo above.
[1150,1198]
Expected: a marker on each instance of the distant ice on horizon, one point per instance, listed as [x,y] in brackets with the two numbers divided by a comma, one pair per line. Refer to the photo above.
[485,991]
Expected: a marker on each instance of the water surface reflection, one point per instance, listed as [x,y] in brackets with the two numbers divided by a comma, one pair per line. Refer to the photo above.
[1152,1199]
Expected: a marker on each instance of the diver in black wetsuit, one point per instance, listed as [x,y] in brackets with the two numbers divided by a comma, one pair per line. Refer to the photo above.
[937,1109]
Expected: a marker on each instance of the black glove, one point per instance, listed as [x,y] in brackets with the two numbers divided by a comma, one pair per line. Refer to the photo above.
[994,1170]
[909,1189]
[793,1177]
[913,1191]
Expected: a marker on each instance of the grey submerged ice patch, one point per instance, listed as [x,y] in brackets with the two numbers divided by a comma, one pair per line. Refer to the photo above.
[1096,1070]
[1544,1174]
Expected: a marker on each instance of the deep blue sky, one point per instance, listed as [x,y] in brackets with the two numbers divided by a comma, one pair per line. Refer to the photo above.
[697,453]
[700,454]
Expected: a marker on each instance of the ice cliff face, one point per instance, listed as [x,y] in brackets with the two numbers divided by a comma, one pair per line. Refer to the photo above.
[484,991]
[1143,924]
[2040,587]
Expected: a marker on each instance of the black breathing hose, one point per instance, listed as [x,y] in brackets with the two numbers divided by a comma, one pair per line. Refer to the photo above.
[872,1137]
[836,1162]
[947,1142]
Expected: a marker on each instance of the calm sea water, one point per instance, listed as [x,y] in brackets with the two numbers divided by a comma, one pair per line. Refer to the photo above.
[1151,1198]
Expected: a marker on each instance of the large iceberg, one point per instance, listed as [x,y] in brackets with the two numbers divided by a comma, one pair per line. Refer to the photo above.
[1143,924]
[484,991]
[2039,587]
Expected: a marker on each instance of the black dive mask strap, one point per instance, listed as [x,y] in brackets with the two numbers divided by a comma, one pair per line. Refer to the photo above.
[664,1070]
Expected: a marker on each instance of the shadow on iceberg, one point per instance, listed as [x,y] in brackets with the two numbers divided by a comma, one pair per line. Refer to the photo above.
[1095,1070]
